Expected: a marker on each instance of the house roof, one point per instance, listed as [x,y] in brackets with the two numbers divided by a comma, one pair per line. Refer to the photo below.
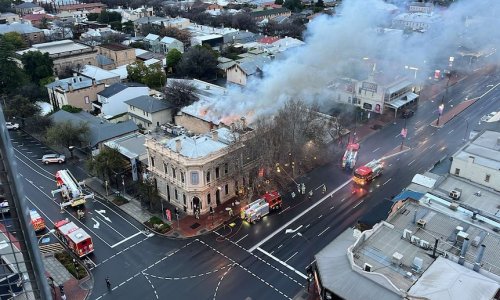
[149,104]
[37,17]
[269,12]
[169,40]
[76,82]
[27,5]
[118,87]
[250,65]
[97,73]
[151,37]
[20,28]
[100,130]
[115,47]
[269,39]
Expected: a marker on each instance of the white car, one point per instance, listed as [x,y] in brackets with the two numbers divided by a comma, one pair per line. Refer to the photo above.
[53,158]
[4,207]
[11,125]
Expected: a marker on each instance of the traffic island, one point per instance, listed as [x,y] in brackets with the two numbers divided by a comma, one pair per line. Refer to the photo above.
[157,225]
[73,266]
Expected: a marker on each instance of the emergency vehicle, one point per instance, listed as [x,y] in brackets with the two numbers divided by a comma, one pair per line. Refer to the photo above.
[37,221]
[261,207]
[70,189]
[350,155]
[368,172]
[75,238]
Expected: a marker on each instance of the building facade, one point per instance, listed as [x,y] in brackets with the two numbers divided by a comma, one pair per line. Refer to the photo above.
[149,112]
[120,55]
[195,173]
[77,91]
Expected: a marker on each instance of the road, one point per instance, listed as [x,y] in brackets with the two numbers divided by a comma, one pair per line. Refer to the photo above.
[258,261]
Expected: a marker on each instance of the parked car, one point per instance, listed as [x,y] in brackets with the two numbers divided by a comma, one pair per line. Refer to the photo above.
[53,158]
[12,126]
[407,113]
[4,207]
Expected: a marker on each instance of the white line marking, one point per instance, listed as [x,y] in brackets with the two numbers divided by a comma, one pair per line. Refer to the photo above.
[398,135]
[282,262]
[283,210]
[450,131]
[411,162]
[343,199]
[332,207]
[358,204]
[324,231]
[299,216]
[387,181]
[292,256]
[126,239]
[376,150]
[241,238]
[319,217]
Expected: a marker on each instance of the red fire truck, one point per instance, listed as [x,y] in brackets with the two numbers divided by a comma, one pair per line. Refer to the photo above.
[70,189]
[75,238]
[37,221]
[261,207]
[368,172]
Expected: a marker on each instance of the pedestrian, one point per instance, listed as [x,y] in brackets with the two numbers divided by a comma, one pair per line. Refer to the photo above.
[230,212]
[310,193]
[293,195]
[324,188]
[108,283]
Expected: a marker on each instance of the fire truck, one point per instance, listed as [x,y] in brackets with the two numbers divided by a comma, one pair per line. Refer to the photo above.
[261,207]
[350,155]
[37,221]
[75,238]
[70,189]
[368,172]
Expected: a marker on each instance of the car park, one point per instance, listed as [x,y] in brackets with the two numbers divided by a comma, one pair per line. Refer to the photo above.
[53,158]
[11,126]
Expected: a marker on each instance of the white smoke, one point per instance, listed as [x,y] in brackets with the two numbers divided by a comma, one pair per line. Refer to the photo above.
[337,44]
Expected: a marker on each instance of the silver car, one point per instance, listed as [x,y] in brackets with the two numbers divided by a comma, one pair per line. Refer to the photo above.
[53,158]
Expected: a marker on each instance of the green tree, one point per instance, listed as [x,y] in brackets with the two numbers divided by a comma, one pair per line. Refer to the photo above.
[293,5]
[11,76]
[15,39]
[116,25]
[278,2]
[92,16]
[173,56]
[180,94]
[198,62]
[109,17]
[152,76]
[128,27]
[20,107]
[66,133]
[136,71]
[148,194]
[38,65]
[107,163]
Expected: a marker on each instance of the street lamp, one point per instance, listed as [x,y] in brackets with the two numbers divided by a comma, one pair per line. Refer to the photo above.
[123,183]
[440,112]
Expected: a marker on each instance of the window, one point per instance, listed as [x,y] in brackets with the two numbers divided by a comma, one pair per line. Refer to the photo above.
[182,177]
[487,178]
[226,168]
[176,194]
[195,179]
[457,171]
[87,100]
[152,161]
[217,172]
[226,189]
[184,199]
[168,193]
[209,199]
[208,176]
[165,168]
[173,173]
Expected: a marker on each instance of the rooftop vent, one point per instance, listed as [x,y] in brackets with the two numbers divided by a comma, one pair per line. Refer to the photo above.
[367,267]
[417,264]
[421,223]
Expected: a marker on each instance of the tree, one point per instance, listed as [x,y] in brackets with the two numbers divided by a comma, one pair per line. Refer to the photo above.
[66,133]
[128,27]
[109,17]
[152,76]
[148,194]
[11,76]
[293,5]
[136,71]
[180,94]
[92,16]
[15,39]
[173,56]
[182,35]
[278,2]
[20,107]
[37,65]
[107,163]
[198,62]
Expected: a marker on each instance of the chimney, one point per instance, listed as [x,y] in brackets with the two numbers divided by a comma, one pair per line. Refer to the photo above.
[415,217]
[74,74]
[215,135]
[465,245]
[178,145]
[70,87]
[470,160]
[435,248]
[93,82]
[479,258]
[243,123]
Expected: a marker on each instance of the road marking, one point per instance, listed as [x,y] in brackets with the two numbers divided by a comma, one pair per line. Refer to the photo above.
[387,181]
[451,131]
[241,238]
[324,231]
[320,216]
[332,207]
[282,262]
[308,225]
[299,216]
[358,204]
[97,224]
[397,135]
[283,210]
[292,256]
[126,239]
[343,199]
[280,246]
[102,212]
[411,162]
[111,227]
[376,150]
[389,165]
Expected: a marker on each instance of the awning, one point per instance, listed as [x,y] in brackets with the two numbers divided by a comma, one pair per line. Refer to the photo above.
[406,98]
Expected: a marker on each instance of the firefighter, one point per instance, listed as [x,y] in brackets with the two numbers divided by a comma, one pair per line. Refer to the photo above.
[324,188]
[310,193]
[293,195]
[80,214]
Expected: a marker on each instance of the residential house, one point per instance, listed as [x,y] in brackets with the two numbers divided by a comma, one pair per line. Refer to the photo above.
[8,18]
[66,54]
[421,7]
[99,75]
[119,54]
[152,43]
[211,36]
[416,21]
[38,19]
[100,131]
[28,8]
[30,34]
[149,112]
[111,101]
[244,69]
[129,14]
[198,173]
[168,43]
[77,91]
[260,15]
[95,7]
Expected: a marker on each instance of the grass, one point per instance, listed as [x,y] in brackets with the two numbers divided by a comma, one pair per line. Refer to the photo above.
[156,224]
[67,261]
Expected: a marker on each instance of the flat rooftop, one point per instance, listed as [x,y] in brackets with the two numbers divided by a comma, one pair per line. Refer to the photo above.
[485,149]
[57,47]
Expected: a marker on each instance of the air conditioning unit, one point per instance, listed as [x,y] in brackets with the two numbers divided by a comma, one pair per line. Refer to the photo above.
[415,239]
[476,241]
[421,223]
[424,244]
[407,233]
[367,267]
[461,236]
[397,258]
[455,194]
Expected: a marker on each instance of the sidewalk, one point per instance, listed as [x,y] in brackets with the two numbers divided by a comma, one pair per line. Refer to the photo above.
[73,288]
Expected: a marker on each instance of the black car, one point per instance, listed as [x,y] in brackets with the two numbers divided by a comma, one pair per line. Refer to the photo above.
[407,113]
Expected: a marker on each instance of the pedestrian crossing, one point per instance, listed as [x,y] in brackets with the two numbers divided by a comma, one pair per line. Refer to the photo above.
[51,248]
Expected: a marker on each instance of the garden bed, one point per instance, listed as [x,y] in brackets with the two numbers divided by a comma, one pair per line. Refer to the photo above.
[156,224]
[119,200]
[76,269]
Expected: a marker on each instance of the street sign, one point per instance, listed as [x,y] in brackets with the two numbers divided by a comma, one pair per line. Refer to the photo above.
[169,215]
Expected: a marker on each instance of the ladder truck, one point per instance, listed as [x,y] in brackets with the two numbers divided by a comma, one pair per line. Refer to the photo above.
[350,155]
[70,189]
[261,207]
[366,173]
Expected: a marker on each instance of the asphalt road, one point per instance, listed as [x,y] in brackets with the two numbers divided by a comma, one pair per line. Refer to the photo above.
[257,261]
